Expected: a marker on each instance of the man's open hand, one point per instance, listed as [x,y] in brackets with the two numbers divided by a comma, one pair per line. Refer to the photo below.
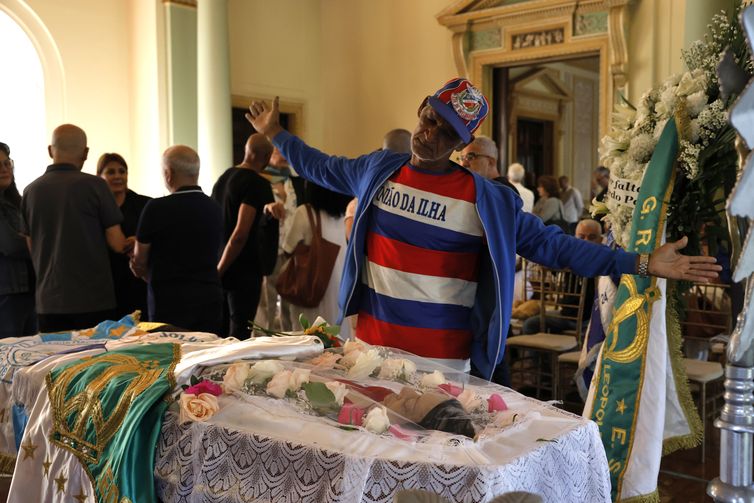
[666,262]
[265,118]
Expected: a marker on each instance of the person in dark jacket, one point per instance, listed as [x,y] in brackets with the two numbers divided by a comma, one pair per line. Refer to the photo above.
[130,292]
[17,314]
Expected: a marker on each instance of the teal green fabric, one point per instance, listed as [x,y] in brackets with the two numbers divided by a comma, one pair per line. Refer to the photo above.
[621,372]
[107,410]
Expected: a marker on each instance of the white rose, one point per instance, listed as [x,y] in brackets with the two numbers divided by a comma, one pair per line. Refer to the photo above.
[338,389]
[235,376]
[350,358]
[299,377]
[354,345]
[393,368]
[365,364]
[470,401]
[279,384]
[695,103]
[197,407]
[326,360]
[433,380]
[261,371]
[377,421]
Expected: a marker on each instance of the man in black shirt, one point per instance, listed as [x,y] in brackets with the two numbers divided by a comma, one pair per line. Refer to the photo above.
[178,243]
[246,199]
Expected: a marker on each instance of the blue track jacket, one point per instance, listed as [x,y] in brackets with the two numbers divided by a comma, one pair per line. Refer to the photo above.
[508,231]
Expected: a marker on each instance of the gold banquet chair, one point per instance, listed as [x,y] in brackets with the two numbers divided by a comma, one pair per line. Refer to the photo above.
[537,361]
[708,313]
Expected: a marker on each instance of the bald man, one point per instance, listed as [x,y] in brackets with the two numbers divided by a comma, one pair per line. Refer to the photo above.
[70,219]
[178,244]
[251,237]
[586,230]
[398,141]
[480,156]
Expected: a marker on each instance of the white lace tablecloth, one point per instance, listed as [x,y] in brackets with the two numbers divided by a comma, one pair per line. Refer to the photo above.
[245,454]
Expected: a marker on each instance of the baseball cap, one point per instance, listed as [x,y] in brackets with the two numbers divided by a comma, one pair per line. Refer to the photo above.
[462,105]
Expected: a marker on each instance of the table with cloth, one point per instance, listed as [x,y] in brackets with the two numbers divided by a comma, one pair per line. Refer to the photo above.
[258,448]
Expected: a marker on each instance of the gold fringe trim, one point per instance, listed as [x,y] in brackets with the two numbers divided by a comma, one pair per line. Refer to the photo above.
[7,463]
[644,498]
[675,342]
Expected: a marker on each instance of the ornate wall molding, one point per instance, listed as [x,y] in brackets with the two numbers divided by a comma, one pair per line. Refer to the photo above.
[541,29]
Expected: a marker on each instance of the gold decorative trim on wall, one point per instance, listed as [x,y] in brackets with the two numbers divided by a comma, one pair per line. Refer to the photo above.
[185,3]
[538,30]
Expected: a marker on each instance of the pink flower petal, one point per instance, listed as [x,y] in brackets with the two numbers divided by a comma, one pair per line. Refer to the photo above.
[205,387]
[351,415]
[401,433]
[451,389]
[496,403]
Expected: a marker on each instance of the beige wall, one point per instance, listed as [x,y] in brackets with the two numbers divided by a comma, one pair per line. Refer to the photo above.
[382,58]
[92,40]
[358,67]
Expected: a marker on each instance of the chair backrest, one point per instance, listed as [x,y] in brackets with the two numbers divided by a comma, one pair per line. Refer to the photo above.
[561,294]
[707,313]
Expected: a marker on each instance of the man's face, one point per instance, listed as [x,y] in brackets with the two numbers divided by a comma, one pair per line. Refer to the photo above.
[433,139]
[474,159]
[589,232]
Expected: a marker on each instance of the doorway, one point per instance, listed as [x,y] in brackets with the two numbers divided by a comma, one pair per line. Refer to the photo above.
[534,145]
[545,116]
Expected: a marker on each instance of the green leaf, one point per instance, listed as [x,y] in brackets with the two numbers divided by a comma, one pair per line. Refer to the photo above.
[320,397]
[332,329]
[194,381]
[348,428]
[303,321]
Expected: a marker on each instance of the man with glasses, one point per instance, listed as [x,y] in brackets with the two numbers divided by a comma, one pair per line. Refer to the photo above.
[481,157]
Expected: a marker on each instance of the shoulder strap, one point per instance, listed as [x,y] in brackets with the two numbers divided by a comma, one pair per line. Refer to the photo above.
[316,226]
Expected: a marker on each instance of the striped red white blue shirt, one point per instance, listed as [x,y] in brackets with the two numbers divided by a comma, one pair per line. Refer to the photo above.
[422,251]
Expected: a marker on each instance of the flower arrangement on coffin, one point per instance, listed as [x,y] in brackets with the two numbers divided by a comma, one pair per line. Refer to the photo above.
[706,157]
[198,402]
[328,334]
[354,396]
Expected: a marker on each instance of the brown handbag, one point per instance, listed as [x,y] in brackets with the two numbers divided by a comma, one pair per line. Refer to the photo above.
[305,276]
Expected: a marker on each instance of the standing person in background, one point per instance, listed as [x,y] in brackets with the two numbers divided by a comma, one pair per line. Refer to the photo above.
[516,174]
[178,242]
[600,182]
[245,196]
[331,207]
[130,291]
[285,193]
[480,156]
[573,203]
[17,314]
[548,207]
[70,219]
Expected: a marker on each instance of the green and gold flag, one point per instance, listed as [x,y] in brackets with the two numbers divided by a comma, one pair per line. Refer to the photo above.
[638,396]
[107,410]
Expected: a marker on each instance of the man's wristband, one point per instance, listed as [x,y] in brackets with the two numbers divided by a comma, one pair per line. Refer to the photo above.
[643,269]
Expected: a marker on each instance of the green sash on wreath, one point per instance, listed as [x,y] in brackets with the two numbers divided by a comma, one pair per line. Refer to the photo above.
[619,379]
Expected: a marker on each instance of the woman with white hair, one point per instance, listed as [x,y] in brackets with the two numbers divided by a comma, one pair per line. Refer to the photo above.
[516,173]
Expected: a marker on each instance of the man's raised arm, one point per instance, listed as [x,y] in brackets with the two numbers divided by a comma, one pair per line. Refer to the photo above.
[335,173]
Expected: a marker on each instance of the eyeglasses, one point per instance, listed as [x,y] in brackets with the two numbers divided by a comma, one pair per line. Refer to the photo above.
[472,156]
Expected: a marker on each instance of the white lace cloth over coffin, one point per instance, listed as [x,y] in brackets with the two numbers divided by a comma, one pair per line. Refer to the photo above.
[247,453]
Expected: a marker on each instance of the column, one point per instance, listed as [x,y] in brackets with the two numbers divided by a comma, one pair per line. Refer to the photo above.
[213,87]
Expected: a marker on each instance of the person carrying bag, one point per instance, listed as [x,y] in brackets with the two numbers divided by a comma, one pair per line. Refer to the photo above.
[305,276]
